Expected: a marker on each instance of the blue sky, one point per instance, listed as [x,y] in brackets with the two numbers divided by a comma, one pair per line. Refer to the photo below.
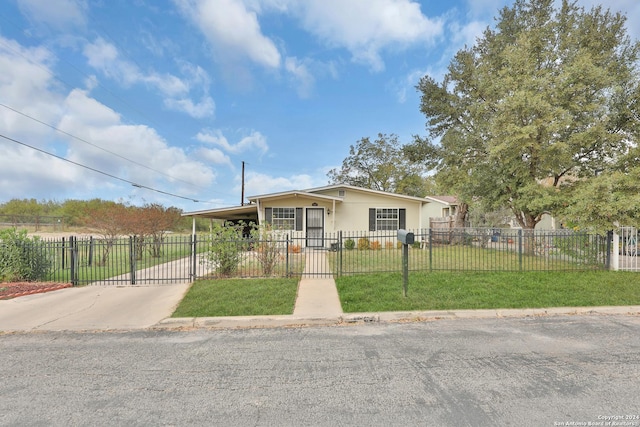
[161,101]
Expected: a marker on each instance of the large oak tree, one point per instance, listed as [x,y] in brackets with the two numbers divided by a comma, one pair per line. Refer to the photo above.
[546,99]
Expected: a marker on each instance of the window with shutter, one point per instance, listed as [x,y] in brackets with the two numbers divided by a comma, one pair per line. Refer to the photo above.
[282,218]
[381,219]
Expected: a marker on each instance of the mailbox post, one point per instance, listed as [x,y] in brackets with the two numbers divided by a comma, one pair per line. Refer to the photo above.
[406,238]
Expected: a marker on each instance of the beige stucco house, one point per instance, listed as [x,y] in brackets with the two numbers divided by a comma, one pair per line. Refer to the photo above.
[315,212]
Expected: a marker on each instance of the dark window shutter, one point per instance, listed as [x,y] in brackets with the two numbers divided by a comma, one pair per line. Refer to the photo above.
[298,219]
[268,212]
[402,218]
[372,219]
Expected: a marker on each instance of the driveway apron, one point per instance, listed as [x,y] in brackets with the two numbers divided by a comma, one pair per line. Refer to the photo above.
[91,308]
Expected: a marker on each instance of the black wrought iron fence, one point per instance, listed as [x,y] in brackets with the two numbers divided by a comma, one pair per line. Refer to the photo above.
[133,259]
[136,260]
[172,259]
[473,249]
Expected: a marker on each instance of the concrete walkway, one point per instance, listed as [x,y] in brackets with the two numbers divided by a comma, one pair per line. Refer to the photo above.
[317,293]
[317,303]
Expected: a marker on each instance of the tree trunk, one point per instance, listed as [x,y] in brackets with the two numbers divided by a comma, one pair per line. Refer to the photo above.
[528,223]
[460,220]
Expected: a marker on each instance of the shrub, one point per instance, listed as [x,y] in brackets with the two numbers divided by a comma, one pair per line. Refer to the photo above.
[375,245]
[415,245]
[388,245]
[267,250]
[22,258]
[225,252]
[363,244]
[349,244]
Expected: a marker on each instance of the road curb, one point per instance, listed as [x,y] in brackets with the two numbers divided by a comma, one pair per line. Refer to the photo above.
[237,322]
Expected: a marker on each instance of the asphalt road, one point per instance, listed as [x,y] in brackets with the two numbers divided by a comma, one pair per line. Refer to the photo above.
[541,371]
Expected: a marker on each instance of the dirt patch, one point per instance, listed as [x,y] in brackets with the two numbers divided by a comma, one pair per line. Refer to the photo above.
[18,289]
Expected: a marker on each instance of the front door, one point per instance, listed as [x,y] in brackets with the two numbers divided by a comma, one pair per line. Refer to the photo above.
[315,227]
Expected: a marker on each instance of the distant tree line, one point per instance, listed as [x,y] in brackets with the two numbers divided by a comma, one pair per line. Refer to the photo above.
[102,216]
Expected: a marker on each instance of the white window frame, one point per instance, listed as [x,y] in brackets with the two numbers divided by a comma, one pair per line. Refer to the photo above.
[283,218]
[390,217]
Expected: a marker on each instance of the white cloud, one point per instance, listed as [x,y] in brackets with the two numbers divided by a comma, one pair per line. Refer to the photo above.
[205,108]
[56,13]
[300,73]
[406,83]
[101,126]
[257,183]
[232,29]
[254,141]
[104,57]
[214,155]
[28,86]
[367,27]
[466,34]
[485,9]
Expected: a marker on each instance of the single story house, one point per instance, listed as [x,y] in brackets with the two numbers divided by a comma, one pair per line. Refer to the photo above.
[314,212]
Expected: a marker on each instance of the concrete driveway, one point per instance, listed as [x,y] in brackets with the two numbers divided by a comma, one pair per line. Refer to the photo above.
[91,308]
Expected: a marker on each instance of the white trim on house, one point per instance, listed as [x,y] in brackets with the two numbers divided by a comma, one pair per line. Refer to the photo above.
[287,194]
[364,190]
[346,207]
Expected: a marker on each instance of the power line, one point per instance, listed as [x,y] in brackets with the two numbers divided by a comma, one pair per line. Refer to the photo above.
[94,145]
[70,86]
[103,87]
[99,171]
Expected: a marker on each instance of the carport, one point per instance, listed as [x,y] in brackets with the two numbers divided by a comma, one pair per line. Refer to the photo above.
[246,213]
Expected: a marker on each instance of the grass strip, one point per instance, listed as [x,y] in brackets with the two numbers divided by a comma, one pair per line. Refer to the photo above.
[487,290]
[239,297]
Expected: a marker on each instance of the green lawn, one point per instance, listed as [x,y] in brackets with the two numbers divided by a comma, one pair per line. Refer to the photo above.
[426,291]
[458,258]
[239,297]
[449,291]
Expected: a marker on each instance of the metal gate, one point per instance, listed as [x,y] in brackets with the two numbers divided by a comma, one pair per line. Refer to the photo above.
[319,261]
[625,249]
[135,261]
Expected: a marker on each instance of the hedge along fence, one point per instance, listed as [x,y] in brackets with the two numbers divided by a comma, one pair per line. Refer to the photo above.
[472,249]
[21,260]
